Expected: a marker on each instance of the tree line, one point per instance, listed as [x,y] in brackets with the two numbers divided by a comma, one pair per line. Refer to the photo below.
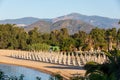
[13,37]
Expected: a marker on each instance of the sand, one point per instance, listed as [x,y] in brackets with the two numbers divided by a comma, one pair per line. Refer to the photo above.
[65,71]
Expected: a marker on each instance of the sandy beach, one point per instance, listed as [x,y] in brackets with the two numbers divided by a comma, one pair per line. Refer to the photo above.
[65,71]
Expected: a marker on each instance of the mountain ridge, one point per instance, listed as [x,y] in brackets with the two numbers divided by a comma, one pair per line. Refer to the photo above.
[98,21]
[73,26]
[47,24]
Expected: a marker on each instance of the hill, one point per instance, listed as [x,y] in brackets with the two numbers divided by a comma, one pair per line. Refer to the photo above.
[73,22]
[21,21]
[72,26]
[42,25]
[98,21]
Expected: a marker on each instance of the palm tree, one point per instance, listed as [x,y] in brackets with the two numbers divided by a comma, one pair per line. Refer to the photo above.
[110,70]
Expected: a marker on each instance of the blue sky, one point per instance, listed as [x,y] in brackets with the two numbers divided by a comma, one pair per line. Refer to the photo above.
[11,9]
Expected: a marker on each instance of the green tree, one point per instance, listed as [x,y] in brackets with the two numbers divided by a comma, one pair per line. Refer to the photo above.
[67,44]
[111,38]
[110,70]
[34,36]
[63,34]
[79,78]
[80,39]
[12,37]
[46,38]
[98,36]
[54,38]
[38,47]
[118,39]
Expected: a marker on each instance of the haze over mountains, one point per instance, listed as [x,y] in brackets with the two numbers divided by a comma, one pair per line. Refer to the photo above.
[74,22]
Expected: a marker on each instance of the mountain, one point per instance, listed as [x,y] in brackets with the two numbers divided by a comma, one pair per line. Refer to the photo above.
[101,22]
[72,25]
[73,22]
[22,21]
[42,25]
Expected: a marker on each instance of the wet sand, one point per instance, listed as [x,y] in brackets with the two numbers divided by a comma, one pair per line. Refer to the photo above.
[65,71]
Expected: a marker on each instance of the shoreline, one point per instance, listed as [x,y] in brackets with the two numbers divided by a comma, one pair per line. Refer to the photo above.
[47,68]
[40,70]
